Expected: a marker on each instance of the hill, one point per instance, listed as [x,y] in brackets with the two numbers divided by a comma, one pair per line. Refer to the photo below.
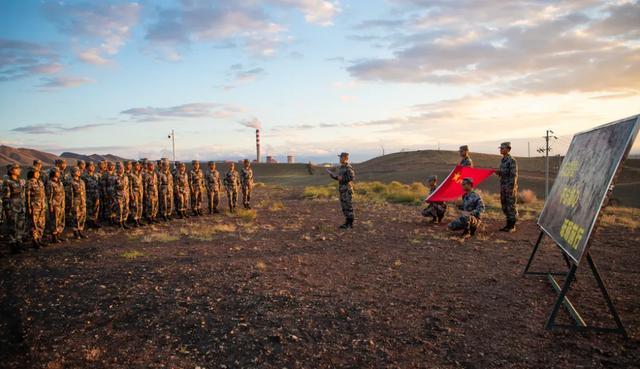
[93,157]
[24,156]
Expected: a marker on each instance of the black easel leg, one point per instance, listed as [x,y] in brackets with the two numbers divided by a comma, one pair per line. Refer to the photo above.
[565,288]
[606,296]
[533,252]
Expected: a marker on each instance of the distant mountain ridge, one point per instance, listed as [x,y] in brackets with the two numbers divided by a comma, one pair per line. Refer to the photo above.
[93,157]
[25,157]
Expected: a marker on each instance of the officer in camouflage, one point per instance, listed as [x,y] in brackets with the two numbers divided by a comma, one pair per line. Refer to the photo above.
[508,174]
[182,190]
[150,181]
[213,188]
[435,209]
[197,187]
[13,200]
[136,193]
[231,184]
[472,208]
[345,177]
[465,160]
[36,207]
[56,203]
[92,185]
[78,203]
[246,180]
[121,196]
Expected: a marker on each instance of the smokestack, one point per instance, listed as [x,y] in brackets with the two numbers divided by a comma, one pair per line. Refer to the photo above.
[257,145]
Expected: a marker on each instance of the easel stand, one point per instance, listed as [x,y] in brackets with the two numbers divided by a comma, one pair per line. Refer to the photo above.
[570,277]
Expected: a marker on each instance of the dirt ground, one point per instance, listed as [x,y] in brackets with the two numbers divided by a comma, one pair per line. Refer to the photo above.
[290,290]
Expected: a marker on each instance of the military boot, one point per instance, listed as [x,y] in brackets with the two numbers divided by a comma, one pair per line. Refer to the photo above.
[473,229]
[346,224]
[82,235]
[15,249]
[35,244]
[76,235]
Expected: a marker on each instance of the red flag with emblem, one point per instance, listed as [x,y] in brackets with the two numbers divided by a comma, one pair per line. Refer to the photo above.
[451,188]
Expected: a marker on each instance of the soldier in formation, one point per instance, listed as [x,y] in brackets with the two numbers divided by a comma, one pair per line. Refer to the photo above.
[197,188]
[77,203]
[231,184]
[246,180]
[13,200]
[92,186]
[471,210]
[435,209]
[213,188]
[508,174]
[345,177]
[36,207]
[465,159]
[150,195]
[121,196]
[182,190]
[136,196]
[56,204]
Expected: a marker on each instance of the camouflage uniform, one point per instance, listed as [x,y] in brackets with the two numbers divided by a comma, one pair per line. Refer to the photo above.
[508,173]
[165,194]
[121,193]
[345,177]
[231,184]
[36,209]
[107,199]
[56,202]
[78,206]
[435,209]
[471,202]
[92,186]
[112,180]
[150,181]
[136,196]
[197,187]
[213,190]
[169,175]
[13,200]
[246,180]
[182,191]
[466,159]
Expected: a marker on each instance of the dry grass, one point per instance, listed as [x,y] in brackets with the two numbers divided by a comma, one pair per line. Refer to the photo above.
[394,192]
[248,215]
[132,254]
[206,232]
[156,237]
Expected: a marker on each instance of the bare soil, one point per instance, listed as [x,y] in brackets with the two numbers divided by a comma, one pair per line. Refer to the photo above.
[290,290]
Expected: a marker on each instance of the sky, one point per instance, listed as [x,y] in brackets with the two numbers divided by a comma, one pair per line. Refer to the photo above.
[317,76]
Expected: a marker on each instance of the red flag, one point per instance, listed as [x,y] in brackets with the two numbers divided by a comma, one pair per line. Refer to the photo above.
[451,188]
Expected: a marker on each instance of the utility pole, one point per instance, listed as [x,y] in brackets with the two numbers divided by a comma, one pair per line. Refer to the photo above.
[529,149]
[172,136]
[548,136]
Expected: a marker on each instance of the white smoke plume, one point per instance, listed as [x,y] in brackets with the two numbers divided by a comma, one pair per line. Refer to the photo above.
[252,123]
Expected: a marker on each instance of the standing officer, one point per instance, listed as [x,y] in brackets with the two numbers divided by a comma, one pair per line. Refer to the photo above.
[121,196]
[472,207]
[197,187]
[435,209]
[36,207]
[182,190]
[164,197]
[345,177]
[13,199]
[151,192]
[465,160]
[246,179]
[231,184]
[213,188]
[508,174]
[92,185]
[78,204]
[136,196]
[56,203]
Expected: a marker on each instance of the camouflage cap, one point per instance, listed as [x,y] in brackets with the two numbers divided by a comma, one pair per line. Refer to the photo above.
[60,161]
[432,177]
[181,164]
[142,160]
[91,164]
[119,165]
[468,180]
[464,148]
[13,166]
[37,162]
[505,145]
[344,154]
[211,162]
[195,161]
[75,169]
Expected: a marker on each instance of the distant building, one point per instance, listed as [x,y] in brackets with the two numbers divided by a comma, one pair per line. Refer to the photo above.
[291,159]
[271,160]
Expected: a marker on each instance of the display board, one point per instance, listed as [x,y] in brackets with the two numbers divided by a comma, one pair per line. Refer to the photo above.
[582,184]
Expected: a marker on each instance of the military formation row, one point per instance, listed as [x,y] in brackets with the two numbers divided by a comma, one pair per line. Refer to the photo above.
[121,194]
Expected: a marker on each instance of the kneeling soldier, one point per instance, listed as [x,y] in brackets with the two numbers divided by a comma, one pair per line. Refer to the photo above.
[435,209]
[472,207]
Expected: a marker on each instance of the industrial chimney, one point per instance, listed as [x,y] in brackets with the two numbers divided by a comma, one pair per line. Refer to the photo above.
[257,145]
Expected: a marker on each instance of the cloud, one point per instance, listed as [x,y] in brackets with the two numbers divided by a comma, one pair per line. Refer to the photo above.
[22,59]
[175,29]
[103,27]
[517,46]
[252,123]
[64,82]
[193,110]
[239,75]
[319,12]
[50,128]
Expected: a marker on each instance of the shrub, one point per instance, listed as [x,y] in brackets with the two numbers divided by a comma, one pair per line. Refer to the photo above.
[247,215]
[527,197]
